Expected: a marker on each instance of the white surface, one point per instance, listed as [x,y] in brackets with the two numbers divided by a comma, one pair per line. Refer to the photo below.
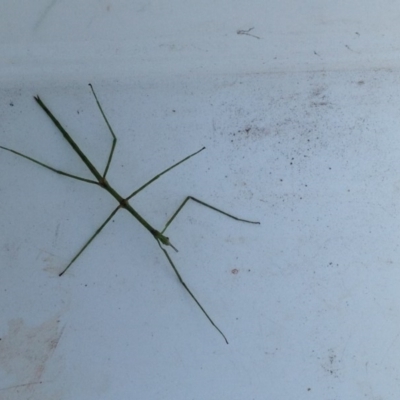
[301,130]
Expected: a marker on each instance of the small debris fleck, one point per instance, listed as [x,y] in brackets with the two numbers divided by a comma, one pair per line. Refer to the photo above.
[246,32]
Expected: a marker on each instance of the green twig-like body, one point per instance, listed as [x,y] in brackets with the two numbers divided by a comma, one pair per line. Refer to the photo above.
[123,202]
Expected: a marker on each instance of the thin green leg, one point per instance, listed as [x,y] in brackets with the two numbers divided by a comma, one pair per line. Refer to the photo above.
[173,265]
[90,240]
[206,205]
[48,167]
[188,290]
[111,131]
[162,173]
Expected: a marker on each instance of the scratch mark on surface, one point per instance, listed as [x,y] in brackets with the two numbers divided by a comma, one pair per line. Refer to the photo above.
[44,15]
[348,48]
[22,385]
[389,348]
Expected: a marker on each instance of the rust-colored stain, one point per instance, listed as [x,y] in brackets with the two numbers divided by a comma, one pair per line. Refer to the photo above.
[24,354]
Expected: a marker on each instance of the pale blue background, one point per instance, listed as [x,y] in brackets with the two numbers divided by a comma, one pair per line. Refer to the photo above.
[301,124]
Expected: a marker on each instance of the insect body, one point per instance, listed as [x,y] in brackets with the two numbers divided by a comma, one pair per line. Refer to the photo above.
[123,202]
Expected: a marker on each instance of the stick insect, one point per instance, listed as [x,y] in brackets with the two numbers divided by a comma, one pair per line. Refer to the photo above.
[123,202]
